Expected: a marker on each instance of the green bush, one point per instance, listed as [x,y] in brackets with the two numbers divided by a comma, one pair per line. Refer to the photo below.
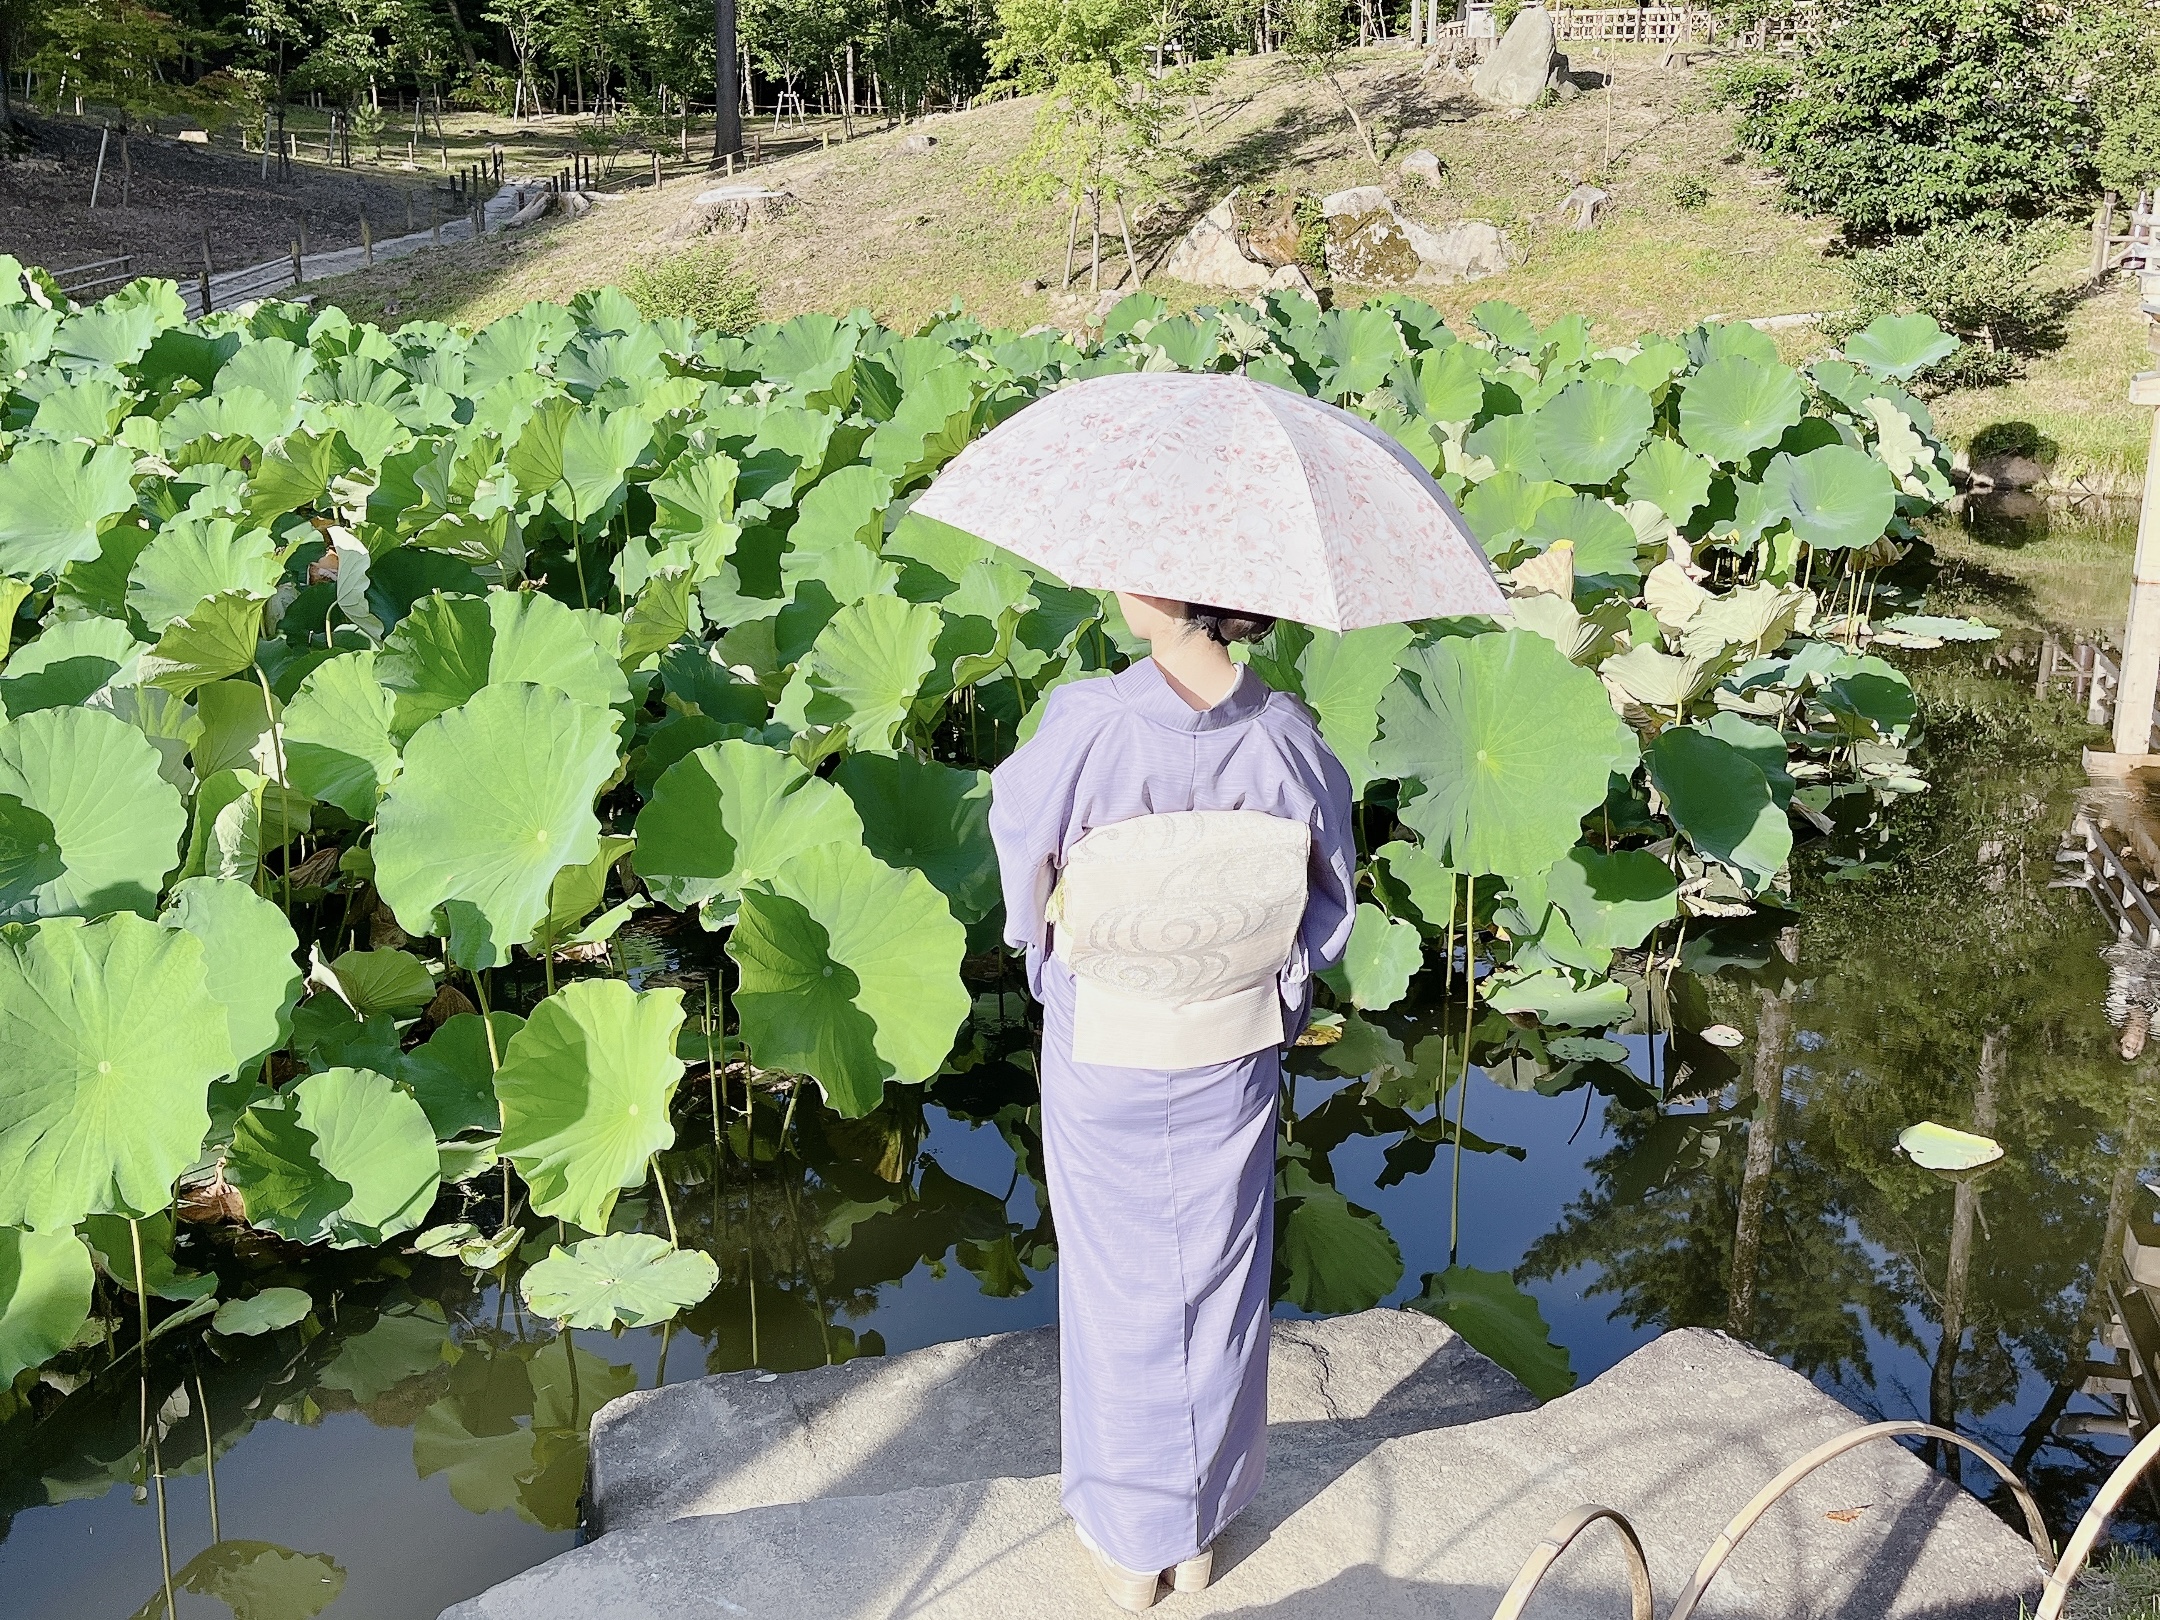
[702,282]
[1690,192]
[1977,283]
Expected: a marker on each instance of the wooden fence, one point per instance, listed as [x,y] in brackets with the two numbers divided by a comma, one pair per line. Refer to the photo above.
[1634,25]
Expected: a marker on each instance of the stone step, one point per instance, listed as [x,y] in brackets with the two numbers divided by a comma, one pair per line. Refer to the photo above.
[1430,1525]
[987,1408]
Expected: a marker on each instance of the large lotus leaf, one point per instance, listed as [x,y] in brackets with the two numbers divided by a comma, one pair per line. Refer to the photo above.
[730,814]
[262,1312]
[70,662]
[46,1281]
[1510,744]
[1377,967]
[235,721]
[496,797]
[932,817]
[1501,509]
[113,1240]
[1900,345]
[1511,444]
[585,1087]
[239,815]
[216,638]
[1336,1256]
[109,1039]
[1451,382]
[850,974]
[53,500]
[1837,496]
[256,1580]
[341,1157]
[864,671]
[436,658]
[1721,800]
[1753,621]
[1554,997]
[1947,1149]
[1673,479]
[1735,406]
[1590,430]
[29,853]
[1507,326]
[578,456]
[1864,695]
[1431,883]
[339,743]
[1658,680]
[1603,538]
[111,332]
[537,639]
[248,965]
[195,557]
[118,822]
[1613,900]
[1502,1322]
[453,1072]
[1341,678]
[626,1279]
[933,423]
[391,981]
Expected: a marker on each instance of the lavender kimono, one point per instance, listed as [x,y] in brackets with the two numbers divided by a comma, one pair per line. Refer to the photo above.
[1162,1180]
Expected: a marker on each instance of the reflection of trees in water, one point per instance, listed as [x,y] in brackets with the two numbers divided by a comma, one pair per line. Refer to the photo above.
[1781,1211]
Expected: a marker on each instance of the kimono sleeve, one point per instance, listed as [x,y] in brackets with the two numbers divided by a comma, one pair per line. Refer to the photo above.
[1331,900]
[1031,806]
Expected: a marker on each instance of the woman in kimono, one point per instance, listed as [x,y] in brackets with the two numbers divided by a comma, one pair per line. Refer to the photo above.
[1177,858]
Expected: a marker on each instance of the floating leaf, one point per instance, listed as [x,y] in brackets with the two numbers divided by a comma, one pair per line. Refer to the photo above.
[1735,406]
[1942,1147]
[1500,1321]
[1613,900]
[1510,744]
[1554,997]
[262,1312]
[341,1157]
[495,798]
[109,1039]
[46,1281]
[626,1279]
[585,1087]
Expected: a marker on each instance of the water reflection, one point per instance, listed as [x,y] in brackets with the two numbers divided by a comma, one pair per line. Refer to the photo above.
[430,1438]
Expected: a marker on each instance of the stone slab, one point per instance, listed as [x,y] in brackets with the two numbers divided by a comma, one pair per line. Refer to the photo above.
[1424,1526]
[987,1408]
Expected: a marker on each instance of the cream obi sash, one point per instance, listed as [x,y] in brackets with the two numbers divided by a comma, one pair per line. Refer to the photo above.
[1175,927]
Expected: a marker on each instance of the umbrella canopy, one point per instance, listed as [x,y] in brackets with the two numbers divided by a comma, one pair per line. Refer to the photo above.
[1221,490]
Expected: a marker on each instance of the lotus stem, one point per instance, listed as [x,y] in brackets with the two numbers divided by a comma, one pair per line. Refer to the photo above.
[487,1018]
[202,1397]
[787,1119]
[712,1074]
[277,753]
[659,1182]
[547,950]
[164,1529]
[142,1296]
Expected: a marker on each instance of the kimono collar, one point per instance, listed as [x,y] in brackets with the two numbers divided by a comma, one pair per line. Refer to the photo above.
[1149,694]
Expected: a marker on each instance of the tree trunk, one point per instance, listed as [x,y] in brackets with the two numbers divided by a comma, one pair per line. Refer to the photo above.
[1072,238]
[727,89]
[464,40]
[1095,250]
[1125,230]
[1965,1205]
[1356,122]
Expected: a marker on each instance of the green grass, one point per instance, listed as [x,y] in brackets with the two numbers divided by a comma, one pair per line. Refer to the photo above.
[2122,1585]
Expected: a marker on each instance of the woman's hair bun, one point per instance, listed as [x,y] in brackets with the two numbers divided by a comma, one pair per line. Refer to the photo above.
[1225,625]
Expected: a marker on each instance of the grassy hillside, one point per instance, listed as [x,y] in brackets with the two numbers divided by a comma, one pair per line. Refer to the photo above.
[906,233]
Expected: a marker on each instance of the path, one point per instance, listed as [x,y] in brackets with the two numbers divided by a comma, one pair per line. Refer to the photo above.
[272,277]
[1407,1477]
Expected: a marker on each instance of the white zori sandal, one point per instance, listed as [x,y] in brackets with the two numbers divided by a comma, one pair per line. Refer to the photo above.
[1130,1589]
[1194,1574]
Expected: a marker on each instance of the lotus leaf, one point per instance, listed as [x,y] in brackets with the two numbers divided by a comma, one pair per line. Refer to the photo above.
[1837,496]
[54,498]
[1864,696]
[338,738]
[1501,509]
[1376,969]
[248,949]
[1942,1147]
[214,639]
[1604,540]
[865,670]
[1721,800]
[1510,443]
[496,798]
[395,982]
[1499,1320]
[452,1072]
[1900,345]
[109,1039]
[1338,1257]
[1451,382]
[1555,997]
[256,1580]
[69,664]
[262,1312]
[1612,901]
[45,1285]
[1341,678]
[1590,430]
[585,1087]
[729,815]
[29,854]
[1431,884]
[1938,628]
[1507,326]
[850,973]
[340,1157]
[1735,406]
[1750,622]
[118,822]
[113,1241]
[932,817]
[1675,480]
[194,558]
[1510,745]
[626,1279]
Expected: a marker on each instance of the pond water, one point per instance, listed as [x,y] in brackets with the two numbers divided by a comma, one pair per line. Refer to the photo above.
[430,1440]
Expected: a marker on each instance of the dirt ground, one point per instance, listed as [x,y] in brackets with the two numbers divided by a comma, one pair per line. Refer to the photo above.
[177,191]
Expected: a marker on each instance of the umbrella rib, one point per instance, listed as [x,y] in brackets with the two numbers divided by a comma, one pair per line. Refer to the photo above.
[1312,503]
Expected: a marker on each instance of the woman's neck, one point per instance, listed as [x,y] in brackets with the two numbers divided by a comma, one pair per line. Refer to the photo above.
[1198,668]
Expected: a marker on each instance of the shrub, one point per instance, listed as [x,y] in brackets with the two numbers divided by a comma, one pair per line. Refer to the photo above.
[700,282]
[1690,192]
[487,88]
[1976,282]
[1902,115]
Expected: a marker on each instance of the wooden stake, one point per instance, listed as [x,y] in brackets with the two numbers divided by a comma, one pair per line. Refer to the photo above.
[1125,231]
[127,170]
[296,261]
[1095,248]
[367,240]
[98,178]
[206,270]
[656,171]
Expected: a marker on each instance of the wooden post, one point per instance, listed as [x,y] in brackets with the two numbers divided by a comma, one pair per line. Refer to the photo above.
[127,169]
[206,270]
[656,171]
[2103,230]
[296,261]
[2140,663]
[367,240]
[408,211]
[204,289]
[435,215]
[98,178]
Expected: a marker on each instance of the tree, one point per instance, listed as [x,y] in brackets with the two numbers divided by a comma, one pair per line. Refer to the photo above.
[1906,114]
[111,52]
[1316,39]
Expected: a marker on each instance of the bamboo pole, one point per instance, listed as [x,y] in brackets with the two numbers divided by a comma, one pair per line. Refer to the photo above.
[98,178]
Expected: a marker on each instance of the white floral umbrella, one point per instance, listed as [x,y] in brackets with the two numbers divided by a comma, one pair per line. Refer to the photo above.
[1221,490]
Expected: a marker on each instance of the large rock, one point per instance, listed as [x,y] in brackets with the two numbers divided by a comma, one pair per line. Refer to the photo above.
[1424,165]
[1372,243]
[731,208]
[988,1408]
[1276,237]
[1430,1525]
[1520,67]
[1208,255]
